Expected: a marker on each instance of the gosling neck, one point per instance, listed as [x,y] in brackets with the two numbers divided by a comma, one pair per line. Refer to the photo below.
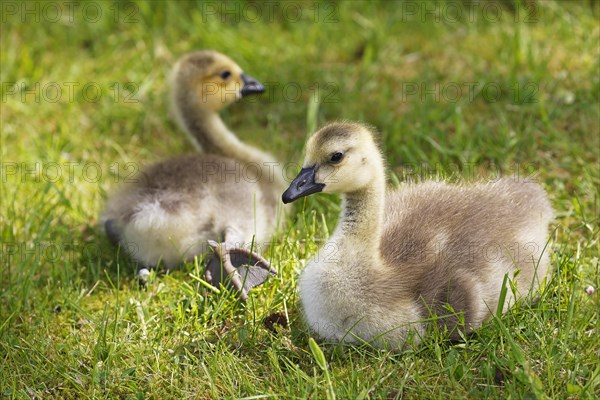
[210,134]
[361,217]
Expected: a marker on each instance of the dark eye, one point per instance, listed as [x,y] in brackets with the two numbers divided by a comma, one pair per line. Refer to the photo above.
[336,157]
[225,74]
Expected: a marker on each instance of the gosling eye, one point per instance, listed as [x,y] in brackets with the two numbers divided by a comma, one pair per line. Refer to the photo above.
[225,74]
[336,157]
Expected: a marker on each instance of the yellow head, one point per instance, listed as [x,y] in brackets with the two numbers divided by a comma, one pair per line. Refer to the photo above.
[210,80]
[341,157]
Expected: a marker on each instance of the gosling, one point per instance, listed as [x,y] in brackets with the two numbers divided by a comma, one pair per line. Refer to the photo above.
[224,199]
[425,250]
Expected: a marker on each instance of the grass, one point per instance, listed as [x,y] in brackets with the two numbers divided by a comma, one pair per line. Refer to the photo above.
[73,321]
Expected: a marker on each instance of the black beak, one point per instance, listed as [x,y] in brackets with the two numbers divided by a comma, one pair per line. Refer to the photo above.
[251,85]
[303,185]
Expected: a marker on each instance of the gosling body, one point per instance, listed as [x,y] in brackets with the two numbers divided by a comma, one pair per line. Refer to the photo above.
[397,258]
[175,206]
[227,193]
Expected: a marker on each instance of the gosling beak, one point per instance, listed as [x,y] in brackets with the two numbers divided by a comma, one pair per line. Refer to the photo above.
[303,185]
[251,85]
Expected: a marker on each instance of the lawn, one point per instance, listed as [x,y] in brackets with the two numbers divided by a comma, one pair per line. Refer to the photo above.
[462,91]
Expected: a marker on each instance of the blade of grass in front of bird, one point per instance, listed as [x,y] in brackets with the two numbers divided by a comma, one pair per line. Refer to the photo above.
[322,363]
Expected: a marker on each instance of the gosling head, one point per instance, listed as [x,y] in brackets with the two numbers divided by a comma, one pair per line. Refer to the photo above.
[341,157]
[212,80]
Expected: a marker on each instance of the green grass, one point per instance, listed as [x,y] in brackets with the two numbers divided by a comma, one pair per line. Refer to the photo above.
[74,323]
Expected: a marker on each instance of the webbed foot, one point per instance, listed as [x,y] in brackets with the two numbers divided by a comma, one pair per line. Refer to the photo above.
[244,268]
